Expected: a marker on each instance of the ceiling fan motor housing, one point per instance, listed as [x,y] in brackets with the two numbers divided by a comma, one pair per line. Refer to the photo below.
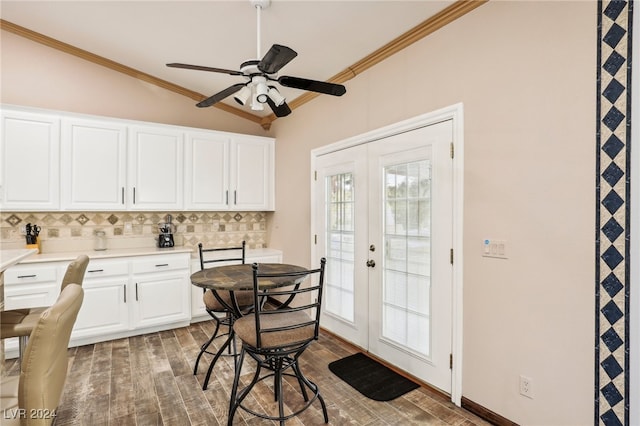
[258,72]
[249,68]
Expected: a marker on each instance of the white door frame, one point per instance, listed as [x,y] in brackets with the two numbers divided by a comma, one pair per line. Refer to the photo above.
[454,113]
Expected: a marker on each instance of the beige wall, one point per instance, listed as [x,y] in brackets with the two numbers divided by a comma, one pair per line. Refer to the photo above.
[37,76]
[525,72]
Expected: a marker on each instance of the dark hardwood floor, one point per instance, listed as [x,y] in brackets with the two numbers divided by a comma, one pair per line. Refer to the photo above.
[148,380]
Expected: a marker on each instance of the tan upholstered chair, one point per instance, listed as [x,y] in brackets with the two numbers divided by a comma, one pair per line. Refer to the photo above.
[32,398]
[20,322]
[213,302]
[276,338]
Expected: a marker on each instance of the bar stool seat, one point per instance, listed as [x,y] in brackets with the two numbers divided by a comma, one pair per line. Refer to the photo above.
[20,322]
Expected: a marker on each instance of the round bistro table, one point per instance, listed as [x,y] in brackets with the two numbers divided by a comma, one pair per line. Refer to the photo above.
[239,277]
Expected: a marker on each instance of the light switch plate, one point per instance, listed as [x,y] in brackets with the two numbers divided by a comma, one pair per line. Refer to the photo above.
[494,248]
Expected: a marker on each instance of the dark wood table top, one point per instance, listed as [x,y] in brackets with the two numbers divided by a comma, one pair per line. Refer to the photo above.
[240,277]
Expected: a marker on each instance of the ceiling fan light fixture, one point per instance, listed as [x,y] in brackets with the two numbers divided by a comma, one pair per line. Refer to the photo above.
[262,92]
[275,96]
[259,72]
[255,104]
[243,95]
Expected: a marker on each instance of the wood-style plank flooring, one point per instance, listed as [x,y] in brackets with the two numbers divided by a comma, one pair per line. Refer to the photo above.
[148,380]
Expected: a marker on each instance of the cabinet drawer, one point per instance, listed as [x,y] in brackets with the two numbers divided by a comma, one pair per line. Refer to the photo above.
[160,264]
[30,295]
[106,268]
[30,274]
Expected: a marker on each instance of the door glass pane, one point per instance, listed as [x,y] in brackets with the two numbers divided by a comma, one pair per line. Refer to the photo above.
[340,214]
[406,304]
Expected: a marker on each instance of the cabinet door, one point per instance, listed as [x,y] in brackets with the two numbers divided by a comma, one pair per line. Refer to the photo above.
[155,169]
[252,174]
[31,286]
[161,300]
[93,165]
[206,172]
[30,295]
[30,155]
[105,308]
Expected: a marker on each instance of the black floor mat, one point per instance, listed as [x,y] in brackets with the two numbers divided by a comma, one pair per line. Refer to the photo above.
[371,378]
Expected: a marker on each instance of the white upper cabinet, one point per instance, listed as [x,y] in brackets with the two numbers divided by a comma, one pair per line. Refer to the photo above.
[229,172]
[71,162]
[206,185]
[94,160]
[155,168]
[29,155]
[252,174]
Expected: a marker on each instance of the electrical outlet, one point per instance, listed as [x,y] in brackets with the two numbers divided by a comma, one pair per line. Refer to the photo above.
[526,386]
[23,229]
[128,228]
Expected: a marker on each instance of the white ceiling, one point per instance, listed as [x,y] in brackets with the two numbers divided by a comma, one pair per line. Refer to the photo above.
[329,36]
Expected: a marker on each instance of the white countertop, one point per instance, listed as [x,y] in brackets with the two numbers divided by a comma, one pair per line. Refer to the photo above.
[110,253]
[11,257]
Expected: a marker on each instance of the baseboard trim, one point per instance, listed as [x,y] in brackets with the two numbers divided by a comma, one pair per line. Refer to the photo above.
[435,392]
[467,404]
[485,413]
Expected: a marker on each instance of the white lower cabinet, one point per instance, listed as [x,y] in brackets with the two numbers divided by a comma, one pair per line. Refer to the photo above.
[198,313]
[161,291]
[104,308]
[30,286]
[123,296]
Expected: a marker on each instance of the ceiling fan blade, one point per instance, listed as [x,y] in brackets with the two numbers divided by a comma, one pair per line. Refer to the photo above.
[280,111]
[201,68]
[276,58]
[220,95]
[313,85]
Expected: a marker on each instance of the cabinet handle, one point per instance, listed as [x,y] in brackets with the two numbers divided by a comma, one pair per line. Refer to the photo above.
[134,195]
[226,197]
[125,293]
[235,197]
[27,276]
[136,292]
[161,265]
[123,195]
[96,270]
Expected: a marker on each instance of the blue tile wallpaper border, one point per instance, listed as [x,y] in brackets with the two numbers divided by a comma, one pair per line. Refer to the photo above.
[613,136]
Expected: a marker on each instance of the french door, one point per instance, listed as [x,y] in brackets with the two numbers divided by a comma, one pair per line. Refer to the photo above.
[384,222]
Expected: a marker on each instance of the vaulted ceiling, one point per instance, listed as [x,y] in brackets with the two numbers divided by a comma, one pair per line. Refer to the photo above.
[335,40]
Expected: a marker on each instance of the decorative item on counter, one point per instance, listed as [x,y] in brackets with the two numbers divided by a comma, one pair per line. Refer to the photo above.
[32,236]
[166,229]
[100,241]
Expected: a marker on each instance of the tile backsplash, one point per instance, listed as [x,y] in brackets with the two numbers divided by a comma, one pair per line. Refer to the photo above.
[68,231]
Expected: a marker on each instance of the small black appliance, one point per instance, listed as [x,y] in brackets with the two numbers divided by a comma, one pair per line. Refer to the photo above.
[166,229]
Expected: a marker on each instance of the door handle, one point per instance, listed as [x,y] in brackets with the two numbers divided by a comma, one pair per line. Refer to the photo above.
[371,263]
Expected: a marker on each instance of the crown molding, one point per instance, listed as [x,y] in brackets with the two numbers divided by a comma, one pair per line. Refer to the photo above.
[429,26]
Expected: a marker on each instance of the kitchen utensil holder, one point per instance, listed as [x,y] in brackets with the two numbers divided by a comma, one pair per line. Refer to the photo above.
[36,245]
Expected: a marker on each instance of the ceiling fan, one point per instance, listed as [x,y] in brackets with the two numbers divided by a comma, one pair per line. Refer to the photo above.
[260,73]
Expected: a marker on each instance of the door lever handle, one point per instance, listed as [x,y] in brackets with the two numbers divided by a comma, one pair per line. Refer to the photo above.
[371,263]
